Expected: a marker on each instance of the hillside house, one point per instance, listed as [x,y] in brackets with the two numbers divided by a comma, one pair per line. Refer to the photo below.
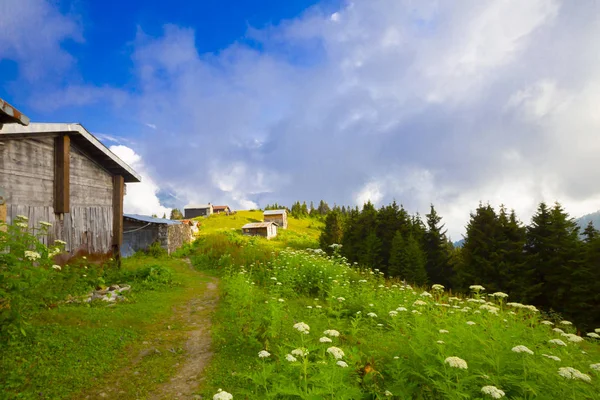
[277,216]
[141,231]
[264,229]
[221,209]
[197,210]
[62,174]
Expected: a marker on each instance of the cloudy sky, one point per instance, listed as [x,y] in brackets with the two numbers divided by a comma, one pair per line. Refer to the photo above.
[449,103]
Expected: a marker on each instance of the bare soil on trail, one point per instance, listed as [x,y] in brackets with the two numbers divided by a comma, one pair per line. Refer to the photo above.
[197,348]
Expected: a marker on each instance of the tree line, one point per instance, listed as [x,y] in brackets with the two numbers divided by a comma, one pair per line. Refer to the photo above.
[548,263]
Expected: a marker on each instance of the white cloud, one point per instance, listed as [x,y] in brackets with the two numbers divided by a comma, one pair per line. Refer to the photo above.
[141,198]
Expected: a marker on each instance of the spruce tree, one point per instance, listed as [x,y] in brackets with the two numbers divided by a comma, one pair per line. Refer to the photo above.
[407,259]
[438,257]
[332,232]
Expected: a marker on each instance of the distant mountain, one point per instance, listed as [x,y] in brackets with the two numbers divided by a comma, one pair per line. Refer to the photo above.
[459,243]
[594,217]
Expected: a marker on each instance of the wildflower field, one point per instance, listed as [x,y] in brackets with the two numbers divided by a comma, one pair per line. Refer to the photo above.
[297,324]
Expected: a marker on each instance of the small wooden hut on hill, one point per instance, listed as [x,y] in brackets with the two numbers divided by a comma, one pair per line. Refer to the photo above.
[264,229]
[277,216]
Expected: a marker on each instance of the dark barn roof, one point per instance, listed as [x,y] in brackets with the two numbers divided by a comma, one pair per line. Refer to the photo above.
[83,139]
[151,220]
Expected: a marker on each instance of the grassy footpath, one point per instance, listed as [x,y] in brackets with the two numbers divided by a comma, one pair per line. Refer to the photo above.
[390,341]
[124,351]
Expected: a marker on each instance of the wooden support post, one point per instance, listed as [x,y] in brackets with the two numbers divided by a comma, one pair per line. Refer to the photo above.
[2,210]
[62,168]
[118,193]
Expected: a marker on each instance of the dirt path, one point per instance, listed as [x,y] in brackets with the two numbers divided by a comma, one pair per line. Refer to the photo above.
[198,352]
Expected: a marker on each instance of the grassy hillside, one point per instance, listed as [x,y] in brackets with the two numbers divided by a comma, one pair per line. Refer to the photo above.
[294,324]
[301,233]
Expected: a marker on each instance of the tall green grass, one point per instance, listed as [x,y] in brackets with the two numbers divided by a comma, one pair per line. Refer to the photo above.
[398,341]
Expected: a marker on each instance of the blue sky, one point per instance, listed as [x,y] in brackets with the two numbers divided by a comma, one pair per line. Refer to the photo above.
[248,103]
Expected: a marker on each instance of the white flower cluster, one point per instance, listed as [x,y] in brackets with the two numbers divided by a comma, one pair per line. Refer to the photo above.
[290,358]
[546,323]
[573,338]
[595,367]
[470,323]
[476,288]
[401,309]
[557,341]
[395,313]
[523,306]
[426,294]
[500,295]
[443,331]
[302,328]
[56,267]
[456,362]
[419,303]
[551,357]
[325,339]
[263,354]
[437,286]
[300,352]
[342,364]
[593,335]
[566,323]
[521,349]
[32,255]
[558,330]
[222,395]
[493,391]
[372,315]
[331,332]
[336,352]
[572,373]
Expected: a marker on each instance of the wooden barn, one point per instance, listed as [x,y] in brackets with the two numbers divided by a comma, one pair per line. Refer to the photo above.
[264,229]
[277,216]
[197,210]
[141,231]
[221,210]
[62,174]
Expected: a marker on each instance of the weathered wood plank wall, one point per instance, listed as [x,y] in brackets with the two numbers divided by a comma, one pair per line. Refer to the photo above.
[27,176]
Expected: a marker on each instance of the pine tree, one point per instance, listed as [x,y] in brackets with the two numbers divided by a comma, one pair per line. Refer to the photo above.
[407,260]
[323,208]
[164,216]
[176,214]
[590,232]
[371,253]
[438,257]
[332,232]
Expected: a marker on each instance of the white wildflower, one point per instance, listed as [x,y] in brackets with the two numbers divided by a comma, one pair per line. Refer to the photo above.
[302,327]
[336,352]
[551,357]
[396,357]
[476,288]
[371,305]
[290,358]
[521,349]
[340,299]
[331,332]
[281,300]
[493,391]
[426,294]
[501,295]
[32,255]
[22,218]
[593,335]
[443,331]
[300,352]
[440,342]
[566,323]
[342,364]
[60,242]
[318,307]
[419,303]
[573,338]
[557,341]
[595,367]
[273,278]
[401,309]
[222,395]
[547,323]
[56,267]
[325,339]
[437,286]
[597,330]
[558,330]
[309,307]
[263,354]
[46,224]
[470,323]
[456,362]
[395,313]
[388,393]
[572,373]
[372,315]
[22,225]
[279,283]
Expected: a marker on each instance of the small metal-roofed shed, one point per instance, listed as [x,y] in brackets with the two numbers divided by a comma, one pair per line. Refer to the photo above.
[10,115]
[264,229]
[197,210]
[141,231]
[62,174]
[277,216]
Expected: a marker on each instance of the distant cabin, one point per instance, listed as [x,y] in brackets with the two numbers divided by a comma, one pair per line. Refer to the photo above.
[62,174]
[141,231]
[197,210]
[221,209]
[277,216]
[264,229]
